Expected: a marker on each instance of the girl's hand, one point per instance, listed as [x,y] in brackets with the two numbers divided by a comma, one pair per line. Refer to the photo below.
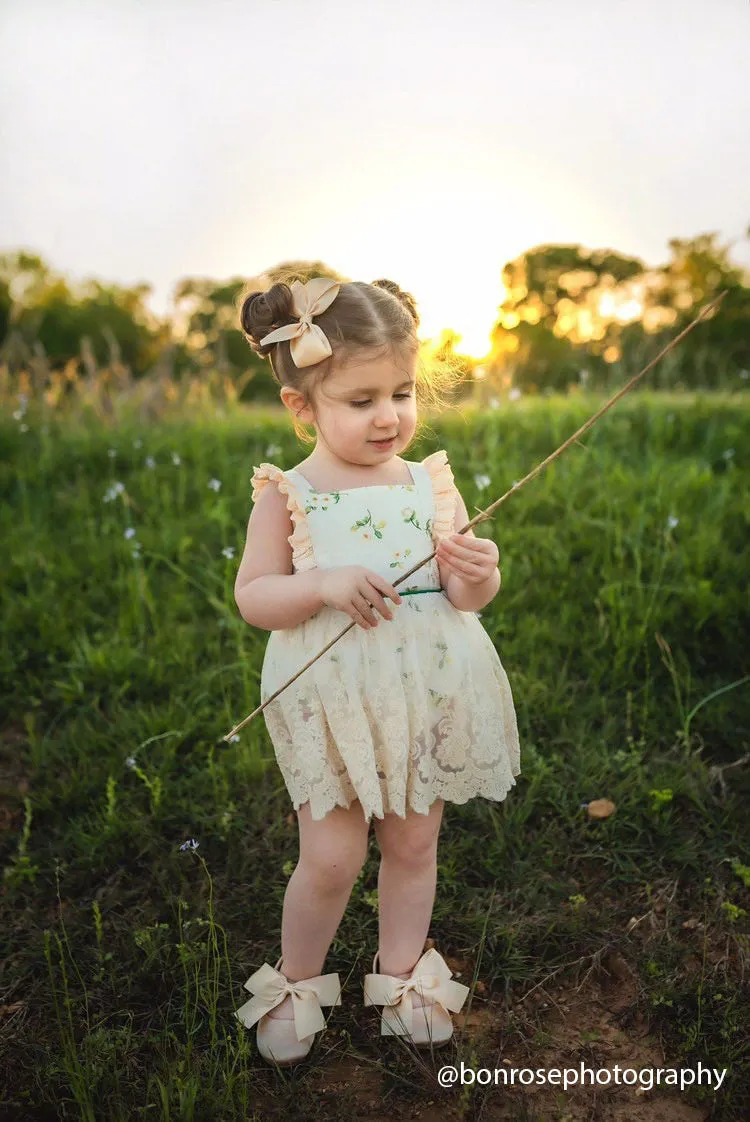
[474,560]
[358,592]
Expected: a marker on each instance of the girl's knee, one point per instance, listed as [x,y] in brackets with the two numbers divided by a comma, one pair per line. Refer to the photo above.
[333,849]
[330,871]
[413,841]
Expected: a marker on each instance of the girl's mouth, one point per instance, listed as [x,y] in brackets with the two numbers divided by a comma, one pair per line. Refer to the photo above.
[383,443]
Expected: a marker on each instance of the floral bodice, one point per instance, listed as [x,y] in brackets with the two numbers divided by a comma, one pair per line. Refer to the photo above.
[385,527]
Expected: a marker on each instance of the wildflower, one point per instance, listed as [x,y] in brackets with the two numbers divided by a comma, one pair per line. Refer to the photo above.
[514,394]
[18,414]
[516,482]
[494,403]
[273,450]
[727,453]
[137,443]
[214,484]
[672,522]
[150,462]
[23,428]
[136,551]
[482,481]
[234,738]
[228,552]
[744,373]
[130,761]
[130,532]
[583,376]
[112,453]
[191,844]
[176,459]
[115,490]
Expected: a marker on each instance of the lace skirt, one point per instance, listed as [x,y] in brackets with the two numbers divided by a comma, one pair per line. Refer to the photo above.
[415,709]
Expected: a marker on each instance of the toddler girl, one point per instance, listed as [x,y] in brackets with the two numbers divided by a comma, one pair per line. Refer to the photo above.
[409,709]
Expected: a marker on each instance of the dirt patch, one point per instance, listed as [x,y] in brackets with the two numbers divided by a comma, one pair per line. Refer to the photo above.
[556,1026]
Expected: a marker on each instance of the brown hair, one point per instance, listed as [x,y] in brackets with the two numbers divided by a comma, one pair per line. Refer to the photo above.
[363,317]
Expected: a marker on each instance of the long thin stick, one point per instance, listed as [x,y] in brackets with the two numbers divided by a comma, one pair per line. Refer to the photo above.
[486,514]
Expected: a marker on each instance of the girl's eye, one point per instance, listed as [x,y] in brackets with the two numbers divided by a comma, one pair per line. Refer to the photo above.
[359,404]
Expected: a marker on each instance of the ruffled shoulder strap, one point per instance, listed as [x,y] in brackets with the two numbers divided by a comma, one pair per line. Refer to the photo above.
[444,492]
[303,556]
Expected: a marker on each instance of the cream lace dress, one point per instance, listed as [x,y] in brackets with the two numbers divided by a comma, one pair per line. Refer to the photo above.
[415,709]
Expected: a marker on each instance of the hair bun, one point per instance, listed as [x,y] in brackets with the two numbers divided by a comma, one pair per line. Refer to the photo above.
[262,312]
[406,298]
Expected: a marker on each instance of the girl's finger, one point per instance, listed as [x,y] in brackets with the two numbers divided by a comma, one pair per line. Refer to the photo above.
[471,568]
[460,550]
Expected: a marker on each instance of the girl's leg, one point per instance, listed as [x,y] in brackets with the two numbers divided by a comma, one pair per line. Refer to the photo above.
[406,885]
[332,852]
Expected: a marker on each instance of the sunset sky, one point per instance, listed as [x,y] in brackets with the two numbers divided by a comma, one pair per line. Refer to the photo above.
[424,141]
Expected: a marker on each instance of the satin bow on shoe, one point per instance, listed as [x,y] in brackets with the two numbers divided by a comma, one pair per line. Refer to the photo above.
[270,987]
[430,978]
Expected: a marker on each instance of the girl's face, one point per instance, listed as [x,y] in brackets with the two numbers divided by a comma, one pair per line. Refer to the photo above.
[364,401]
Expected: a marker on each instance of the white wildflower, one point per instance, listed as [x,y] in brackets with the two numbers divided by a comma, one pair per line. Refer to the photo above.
[130,532]
[516,482]
[214,484]
[228,552]
[744,373]
[583,376]
[112,452]
[728,453]
[115,490]
[18,414]
[273,450]
[176,459]
[150,462]
[672,522]
[482,481]
[23,428]
[234,738]
[130,762]
[137,443]
[191,844]
[494,403]
[514,394]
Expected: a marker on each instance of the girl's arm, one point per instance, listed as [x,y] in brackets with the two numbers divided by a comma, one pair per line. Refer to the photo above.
[267,591]
[467,591]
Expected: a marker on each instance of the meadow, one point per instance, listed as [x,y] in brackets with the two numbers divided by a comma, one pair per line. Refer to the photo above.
[145,859]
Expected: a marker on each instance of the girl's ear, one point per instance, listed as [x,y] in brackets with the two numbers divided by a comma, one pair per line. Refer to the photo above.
[295,403]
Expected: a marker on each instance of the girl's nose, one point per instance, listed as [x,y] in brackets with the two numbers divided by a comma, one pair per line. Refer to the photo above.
[388,416]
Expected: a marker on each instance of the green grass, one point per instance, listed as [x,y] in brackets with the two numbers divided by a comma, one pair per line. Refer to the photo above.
[625,638]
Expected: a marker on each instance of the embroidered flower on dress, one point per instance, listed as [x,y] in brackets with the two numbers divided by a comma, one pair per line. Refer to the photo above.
[400,556]
[376,527]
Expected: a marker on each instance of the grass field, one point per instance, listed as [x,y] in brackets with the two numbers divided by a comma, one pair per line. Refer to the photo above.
[623,624]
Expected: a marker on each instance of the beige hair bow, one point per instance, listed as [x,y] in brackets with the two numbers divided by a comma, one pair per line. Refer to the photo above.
[308,341]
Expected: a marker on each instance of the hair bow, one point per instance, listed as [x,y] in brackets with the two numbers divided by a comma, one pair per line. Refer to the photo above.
[308,341]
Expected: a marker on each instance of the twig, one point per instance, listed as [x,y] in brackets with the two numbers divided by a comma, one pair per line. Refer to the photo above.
[484,515]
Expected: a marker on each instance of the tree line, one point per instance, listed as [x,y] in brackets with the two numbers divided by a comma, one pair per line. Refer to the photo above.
[570,314]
